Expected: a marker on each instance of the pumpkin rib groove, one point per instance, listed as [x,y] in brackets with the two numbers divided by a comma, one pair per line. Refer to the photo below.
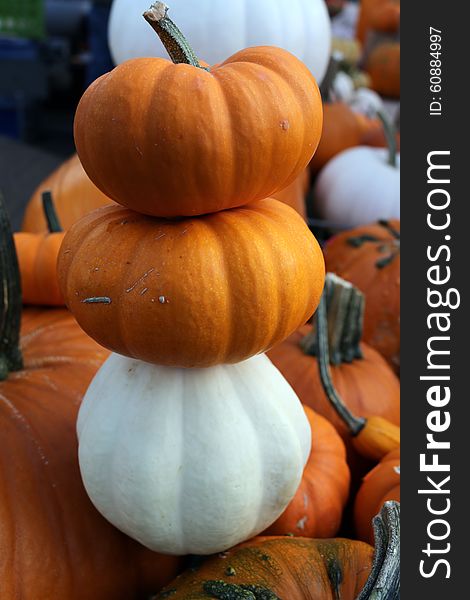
[223,91]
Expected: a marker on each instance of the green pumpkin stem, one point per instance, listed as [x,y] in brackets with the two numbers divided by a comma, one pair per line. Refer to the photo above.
[345,318]
[10,299]
[346,303]
[384,579]
[53,223]
[390,137]
[174,41]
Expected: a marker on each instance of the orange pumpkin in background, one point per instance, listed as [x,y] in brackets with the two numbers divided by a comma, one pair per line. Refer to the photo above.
[378,486]
[369,257]
[383,67]
[212,139]
[74,196]
[317,507]
[377,15]
[341,130]
[37,257]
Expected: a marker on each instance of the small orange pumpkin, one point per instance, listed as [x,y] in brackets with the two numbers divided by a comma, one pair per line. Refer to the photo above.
[37,257]
[181,139]
[295,194]
[317,507]
[191,292]
[341,130]
[378,486]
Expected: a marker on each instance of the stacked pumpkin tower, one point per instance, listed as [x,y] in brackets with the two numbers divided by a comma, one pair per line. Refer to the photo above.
[190,440]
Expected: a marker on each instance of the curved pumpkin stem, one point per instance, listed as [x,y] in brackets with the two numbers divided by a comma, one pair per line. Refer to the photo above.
[324,332]
[384,579]
[373,437]
[53,223]
[10,299]
[390,137]
[174,41]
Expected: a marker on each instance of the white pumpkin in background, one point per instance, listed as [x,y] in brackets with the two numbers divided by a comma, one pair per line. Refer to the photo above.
[216,29]
[191,460]
[357,186]
[342,87]
[366,102]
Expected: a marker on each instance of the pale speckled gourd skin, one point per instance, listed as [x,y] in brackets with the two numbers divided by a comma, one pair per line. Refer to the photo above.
[217,29]
[358,186]
[191,461]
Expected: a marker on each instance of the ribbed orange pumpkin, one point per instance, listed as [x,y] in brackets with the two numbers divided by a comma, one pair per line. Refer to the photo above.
[53,542]
[378,486]
[191,292]
[369,257]
[317,507]
[181,140]
[295,194]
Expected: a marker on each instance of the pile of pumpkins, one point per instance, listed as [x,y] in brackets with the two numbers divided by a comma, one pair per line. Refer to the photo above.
[198,316]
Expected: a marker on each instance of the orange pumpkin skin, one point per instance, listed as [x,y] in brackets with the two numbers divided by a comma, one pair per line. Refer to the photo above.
[53,542]
[294,194]
[176,140]
[341,130]
[377,15]
[381,286]
[192,292]
[373,133]
[74,196]
[37,258]
[287,568]
[317,507]
[378,486]
[383,67]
